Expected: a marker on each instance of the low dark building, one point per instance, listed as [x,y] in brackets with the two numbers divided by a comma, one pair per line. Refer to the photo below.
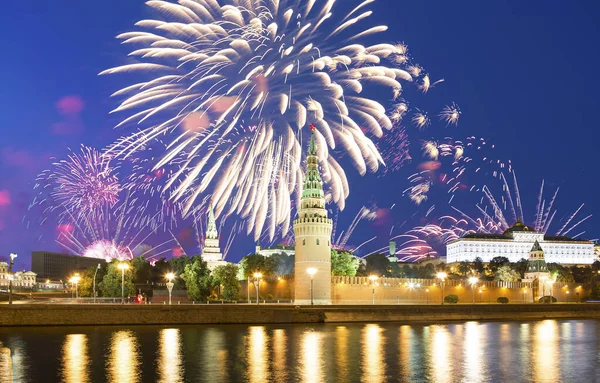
[60,266]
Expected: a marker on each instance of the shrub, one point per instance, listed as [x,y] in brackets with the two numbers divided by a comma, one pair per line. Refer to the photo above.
[547,299]
[269,297]
[451,298]
[503,300]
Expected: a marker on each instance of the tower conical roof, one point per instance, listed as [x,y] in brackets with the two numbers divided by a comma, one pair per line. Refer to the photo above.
[536,246]
[313,184]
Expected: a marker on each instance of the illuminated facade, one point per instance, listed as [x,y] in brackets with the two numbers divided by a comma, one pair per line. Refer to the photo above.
[20,278]
[515,244]
[312,230]
[211,253]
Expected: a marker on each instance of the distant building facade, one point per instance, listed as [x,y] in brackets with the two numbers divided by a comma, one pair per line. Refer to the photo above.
[60,266]
[20,278]
[515,244]
[312,231]
[279,249]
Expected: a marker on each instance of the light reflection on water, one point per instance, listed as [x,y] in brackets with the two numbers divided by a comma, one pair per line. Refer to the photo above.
[544,351]
[75,360]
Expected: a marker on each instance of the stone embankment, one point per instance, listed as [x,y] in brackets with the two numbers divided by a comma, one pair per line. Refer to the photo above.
[88,314]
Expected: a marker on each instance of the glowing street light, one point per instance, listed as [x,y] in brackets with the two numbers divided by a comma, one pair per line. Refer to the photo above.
[473,281]
[96,272]
[75,281]
[257,278]
[123,266]
[442,277]
[10,279]
[170,284]
[311,271]
[427,294]
[373,278]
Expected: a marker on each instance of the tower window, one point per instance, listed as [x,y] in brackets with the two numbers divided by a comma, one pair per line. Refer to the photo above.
[318,243]
[303,242]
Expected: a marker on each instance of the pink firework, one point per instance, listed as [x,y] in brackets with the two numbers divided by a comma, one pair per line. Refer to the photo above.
[84,182]
[107,250]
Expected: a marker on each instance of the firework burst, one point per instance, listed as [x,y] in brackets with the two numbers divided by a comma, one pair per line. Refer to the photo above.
[219,67]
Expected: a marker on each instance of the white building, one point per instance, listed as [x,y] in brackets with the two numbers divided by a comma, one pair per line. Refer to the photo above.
[20,278]
[279,249]
[515,244]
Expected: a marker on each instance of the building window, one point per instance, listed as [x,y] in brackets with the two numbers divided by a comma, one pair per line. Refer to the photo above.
[318,243]
[303,242]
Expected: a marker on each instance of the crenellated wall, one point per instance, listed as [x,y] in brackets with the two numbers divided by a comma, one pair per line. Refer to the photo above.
[359,290]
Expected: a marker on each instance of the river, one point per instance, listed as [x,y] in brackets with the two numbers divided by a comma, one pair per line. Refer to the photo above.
[542,351]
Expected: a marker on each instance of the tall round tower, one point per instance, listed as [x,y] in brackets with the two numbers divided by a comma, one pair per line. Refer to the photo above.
[312,230]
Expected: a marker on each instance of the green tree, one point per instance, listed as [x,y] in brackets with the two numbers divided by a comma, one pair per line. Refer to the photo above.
[478,266]
[507,274]
[560,273]
[86,283]
[343,263]
[226,276]
[283,263]
[426,271]
[464,268]
[177,267]
[197,279]
[111,282]
[257,263]
[159,270]
[496,263]
[378,264]
[143,270]
[521,267]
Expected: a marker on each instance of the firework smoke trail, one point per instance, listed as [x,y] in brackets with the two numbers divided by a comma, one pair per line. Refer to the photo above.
[498,221]
[220,66]
[428,240]
[364,214]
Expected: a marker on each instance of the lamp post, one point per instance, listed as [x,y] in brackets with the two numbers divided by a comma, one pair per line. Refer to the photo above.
[524,293]
[473,281]
[75,281]
[248,285]
[96,272]
[12,262]
[123,266]
[257,277]
[567,296]
[311,271]
[427,294]
[373,278]
[442,277]
[170,284]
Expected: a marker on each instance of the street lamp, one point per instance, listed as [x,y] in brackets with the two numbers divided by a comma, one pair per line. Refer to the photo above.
[373,278]
[257,277]
[567,296]
[427,294]
[473,281]
[123,266]
[170,284]
[75,281]
[96,272]
[311,271]
[12,262]
[442,277]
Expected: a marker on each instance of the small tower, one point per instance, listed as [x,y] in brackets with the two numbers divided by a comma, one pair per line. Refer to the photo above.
[211,252]
[312,231]
[537,271]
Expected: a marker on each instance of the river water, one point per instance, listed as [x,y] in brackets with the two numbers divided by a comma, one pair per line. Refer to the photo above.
[542,351]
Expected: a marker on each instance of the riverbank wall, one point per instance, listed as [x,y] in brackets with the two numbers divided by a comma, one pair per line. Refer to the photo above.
[94,315]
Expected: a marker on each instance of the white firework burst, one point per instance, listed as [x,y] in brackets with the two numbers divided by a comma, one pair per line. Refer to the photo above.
[234,84]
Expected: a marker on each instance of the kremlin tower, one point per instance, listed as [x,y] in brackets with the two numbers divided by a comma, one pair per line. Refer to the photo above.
[312,230]
[211,252]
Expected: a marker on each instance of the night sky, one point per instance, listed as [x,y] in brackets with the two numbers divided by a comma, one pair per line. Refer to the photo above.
[523,74]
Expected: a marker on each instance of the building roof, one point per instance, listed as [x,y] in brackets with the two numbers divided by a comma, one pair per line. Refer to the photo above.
[536,246]
[519,226]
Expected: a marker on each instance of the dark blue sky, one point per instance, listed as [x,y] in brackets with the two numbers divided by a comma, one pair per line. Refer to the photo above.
[523,73]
